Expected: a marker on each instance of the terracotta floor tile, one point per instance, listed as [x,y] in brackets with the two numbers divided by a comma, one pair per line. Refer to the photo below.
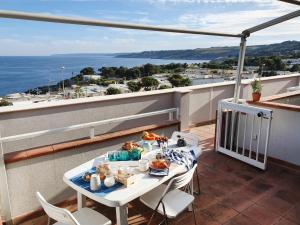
[238,201]
[220,212]
[204,201]
[241,220]
[290,196]
[261,215]
[275,204]
[232,193]
[293,214]
[202,219]
[283,221]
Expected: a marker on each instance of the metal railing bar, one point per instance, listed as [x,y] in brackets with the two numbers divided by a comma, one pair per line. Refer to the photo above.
[238,131]
[232,128]
[83,125]
[92,22]
[226,129]
[244,138]
[251,136]
[295,2]
[272,22]
[258,138]
[245,108]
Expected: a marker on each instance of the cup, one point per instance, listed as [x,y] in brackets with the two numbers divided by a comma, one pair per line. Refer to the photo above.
[143,165]
[95,182]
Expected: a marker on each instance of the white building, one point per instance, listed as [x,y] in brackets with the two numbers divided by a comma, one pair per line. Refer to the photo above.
[91,77]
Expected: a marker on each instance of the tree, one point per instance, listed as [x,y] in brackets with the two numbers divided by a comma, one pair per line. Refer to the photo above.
[179,81]
[149,82]
[149,69]
[112,91]
[133,73]
[295,68]
[108,72]
[87,71]
[134,86]
[4,102]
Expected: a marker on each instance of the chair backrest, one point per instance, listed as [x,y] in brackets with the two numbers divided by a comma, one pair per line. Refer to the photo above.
[191,139]
[58,214]
[180,181]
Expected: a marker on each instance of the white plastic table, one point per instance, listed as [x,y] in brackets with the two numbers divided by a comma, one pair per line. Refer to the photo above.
[123,195]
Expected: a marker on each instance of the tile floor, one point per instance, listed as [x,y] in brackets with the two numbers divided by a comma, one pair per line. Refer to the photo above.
[232,193]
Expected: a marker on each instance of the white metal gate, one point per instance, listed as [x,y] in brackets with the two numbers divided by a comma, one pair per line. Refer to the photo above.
[243,132]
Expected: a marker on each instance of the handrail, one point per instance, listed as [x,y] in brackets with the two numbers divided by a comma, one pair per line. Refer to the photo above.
[102,23]
[90,125]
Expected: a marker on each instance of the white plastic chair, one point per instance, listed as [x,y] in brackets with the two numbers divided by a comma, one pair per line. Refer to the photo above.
[84,216]
[193,140]
[168,200]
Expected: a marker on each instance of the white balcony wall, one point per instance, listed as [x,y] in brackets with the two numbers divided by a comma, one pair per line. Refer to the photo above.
[62,114]
[198,105]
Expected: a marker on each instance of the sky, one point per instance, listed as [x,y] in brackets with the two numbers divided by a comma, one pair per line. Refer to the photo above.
[19,37]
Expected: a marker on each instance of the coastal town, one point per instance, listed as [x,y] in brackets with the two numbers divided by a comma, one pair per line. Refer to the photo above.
[119,80]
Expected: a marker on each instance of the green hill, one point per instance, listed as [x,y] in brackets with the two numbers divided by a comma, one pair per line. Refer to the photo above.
[279,49]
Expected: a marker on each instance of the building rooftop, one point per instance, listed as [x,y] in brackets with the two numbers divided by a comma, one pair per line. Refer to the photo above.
[232,192]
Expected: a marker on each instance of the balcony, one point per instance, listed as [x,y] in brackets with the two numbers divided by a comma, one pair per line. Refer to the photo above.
[232,192]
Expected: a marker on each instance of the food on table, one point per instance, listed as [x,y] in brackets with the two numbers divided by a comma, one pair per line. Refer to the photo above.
[160,164]
[125,177]
[129,145]
[87,176]
[148,136]
[162,139]
[102,170]
[159,156]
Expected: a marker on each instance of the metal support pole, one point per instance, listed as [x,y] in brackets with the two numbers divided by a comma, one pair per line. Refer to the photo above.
[4,193]
[240,68]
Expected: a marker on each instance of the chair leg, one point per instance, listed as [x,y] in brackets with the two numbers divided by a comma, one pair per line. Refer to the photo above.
[152,216]
[49,221]
[166,221]
[193,209]
[198,183]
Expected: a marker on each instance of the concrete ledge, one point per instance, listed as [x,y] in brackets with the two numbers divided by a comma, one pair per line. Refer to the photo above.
[51,149]
[267,101]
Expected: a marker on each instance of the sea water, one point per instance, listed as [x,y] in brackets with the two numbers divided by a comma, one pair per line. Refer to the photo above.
[20,73]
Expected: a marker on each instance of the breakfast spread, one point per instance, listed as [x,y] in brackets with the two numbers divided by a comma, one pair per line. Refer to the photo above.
[131,151]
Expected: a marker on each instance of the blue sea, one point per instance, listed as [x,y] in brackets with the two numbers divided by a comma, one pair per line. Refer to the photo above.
[20,73]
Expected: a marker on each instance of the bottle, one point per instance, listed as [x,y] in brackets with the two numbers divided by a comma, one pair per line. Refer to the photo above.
[95,182]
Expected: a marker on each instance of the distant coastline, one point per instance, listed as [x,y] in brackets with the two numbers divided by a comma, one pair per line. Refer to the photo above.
[214,53]
[20,73]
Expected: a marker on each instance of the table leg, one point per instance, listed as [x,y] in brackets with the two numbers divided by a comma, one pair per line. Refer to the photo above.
[122,215]
[81,199]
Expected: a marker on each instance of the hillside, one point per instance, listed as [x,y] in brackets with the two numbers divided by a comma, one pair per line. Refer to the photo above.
[283,49]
